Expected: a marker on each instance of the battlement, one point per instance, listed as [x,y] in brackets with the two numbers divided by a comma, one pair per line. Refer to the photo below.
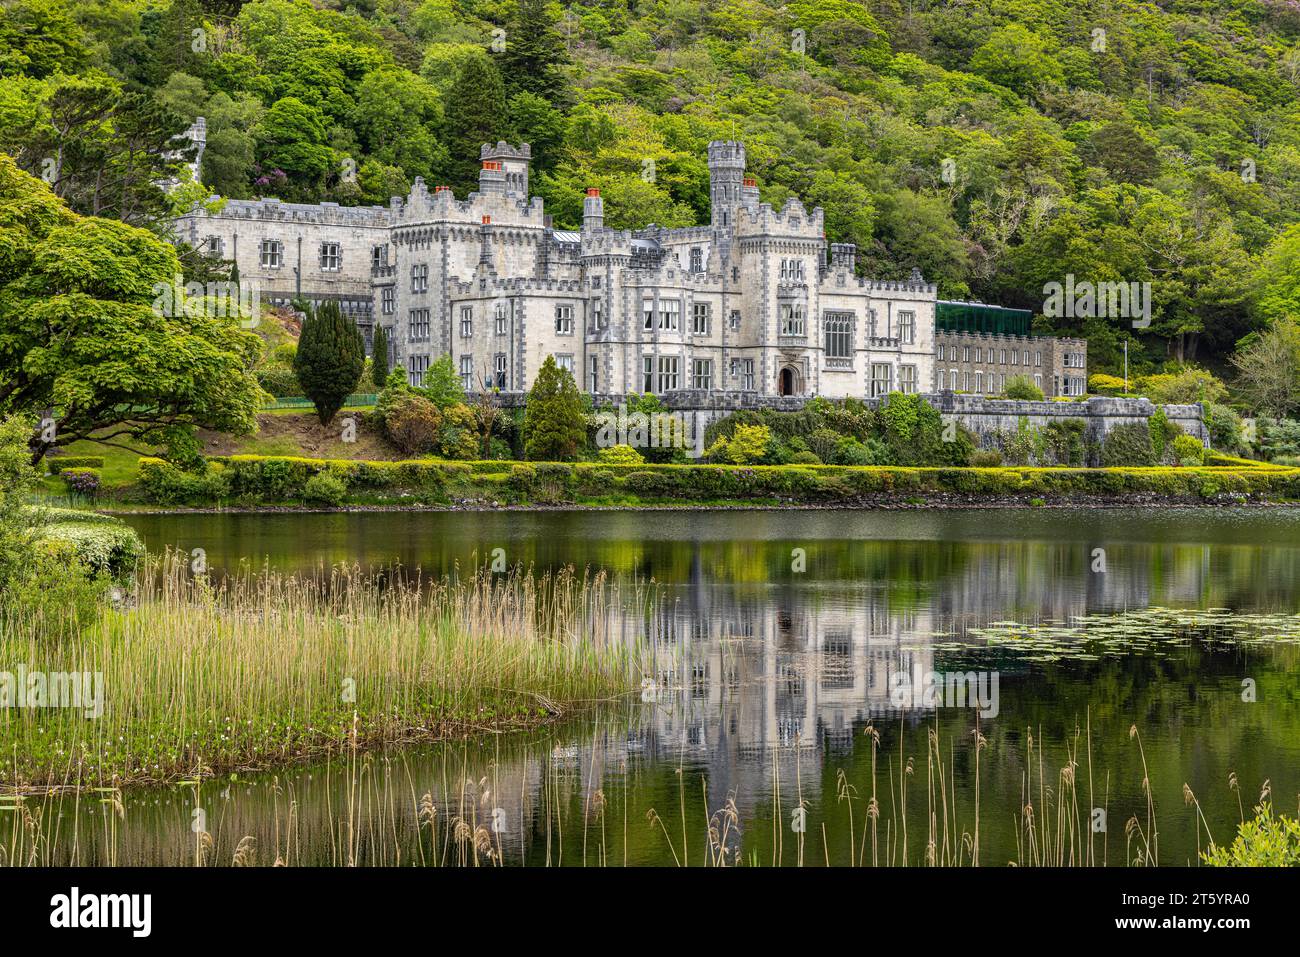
[271,209]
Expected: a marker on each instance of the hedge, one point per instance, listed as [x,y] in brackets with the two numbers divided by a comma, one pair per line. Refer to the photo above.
[57,463]
[254,479]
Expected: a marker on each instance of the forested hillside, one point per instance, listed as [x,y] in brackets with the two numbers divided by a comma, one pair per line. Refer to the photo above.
[997,145]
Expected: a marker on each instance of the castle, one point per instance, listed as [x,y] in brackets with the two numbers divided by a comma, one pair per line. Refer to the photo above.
[751,304]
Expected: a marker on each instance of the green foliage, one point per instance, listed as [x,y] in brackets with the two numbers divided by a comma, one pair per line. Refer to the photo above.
[412,423]
[1188,450]
[57,463]
[325,489]
[1128,444]
[1183,387]
[1277,438]
[442,386]
[1022,387]
[620,455]
[84,329]
[747,444]
[379,364]
[554,426]
[1263,841]
[330,358]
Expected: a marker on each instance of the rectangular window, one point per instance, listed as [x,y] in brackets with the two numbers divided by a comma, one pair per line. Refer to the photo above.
[647,374]
[882,375]
[697,259]
[215,246]
[466,322]
[792,319]
[670,312]
[979,354]
[387,300]
[838,328]
[979,382]
[331,257]
[593,374]
[965,353]
[418,366]
[700,315]
[467,373]
[417,328]
[1038,381]
[500,318]
[565,361]
[378,256]
[499,370]
[564,320]
[734,319]
[1025,357]
[598,313]
[702,374]
[1038,358]
[420,278]
[1002,357]
[1015,356]
[907,379]
[742,371]
[667,374]
[648,314]
[907,327]
[272,254]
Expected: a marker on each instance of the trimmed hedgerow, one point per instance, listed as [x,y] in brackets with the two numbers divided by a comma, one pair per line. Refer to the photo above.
[275,480]
[59,463]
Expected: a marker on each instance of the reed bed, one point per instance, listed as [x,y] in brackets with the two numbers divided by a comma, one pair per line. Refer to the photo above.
[535,801]
[261,669]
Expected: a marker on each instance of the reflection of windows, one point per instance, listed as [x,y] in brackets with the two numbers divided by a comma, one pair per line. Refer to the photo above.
[272,254]
[837,662]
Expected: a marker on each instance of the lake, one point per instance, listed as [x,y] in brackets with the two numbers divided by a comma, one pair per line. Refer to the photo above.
[828,687]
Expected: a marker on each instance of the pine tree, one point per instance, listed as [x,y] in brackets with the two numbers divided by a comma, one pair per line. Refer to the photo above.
[379,360]
[476,114]
[330,359]
[534,53]
[554,425]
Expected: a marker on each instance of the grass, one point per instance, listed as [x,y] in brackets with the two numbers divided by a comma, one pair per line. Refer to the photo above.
[264,670]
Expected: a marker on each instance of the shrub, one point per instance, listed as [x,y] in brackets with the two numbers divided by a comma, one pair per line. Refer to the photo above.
[1064,442]
[1263,841]
[805,458]
[824,443]
[412,423]
[620,455]
[442,385]
[1188,450]
[165,484]
[458,436]
[1163,432]
[1224,426]
[279,381]
[81,481]
[748,445]
[1103,384]
[330,358]
[56,464]
[1128,444]
[554,424]
[1022,387]
[1183,387]
[325,489]
[985,458]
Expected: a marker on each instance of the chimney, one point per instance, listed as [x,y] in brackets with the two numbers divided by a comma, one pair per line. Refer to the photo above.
[593,211]
[749,193]
[485,243]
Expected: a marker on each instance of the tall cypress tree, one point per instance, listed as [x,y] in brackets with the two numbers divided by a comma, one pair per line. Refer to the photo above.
[379,358]
[476,114]
[554,425]
[534,53]
[331,357]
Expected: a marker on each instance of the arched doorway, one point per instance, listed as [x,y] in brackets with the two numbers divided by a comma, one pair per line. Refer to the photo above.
[788,381]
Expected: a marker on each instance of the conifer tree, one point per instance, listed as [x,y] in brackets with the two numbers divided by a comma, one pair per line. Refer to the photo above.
[379,358]
[554,425]
[330,359]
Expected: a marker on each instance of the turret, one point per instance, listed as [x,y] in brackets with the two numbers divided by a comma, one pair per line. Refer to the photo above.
[726,179]
[505,169]
[593,211]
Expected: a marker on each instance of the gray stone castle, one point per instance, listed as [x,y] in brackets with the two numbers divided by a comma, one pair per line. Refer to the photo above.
[755,304]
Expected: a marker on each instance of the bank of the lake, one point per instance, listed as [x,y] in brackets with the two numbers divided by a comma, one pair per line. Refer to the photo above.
[189,676]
